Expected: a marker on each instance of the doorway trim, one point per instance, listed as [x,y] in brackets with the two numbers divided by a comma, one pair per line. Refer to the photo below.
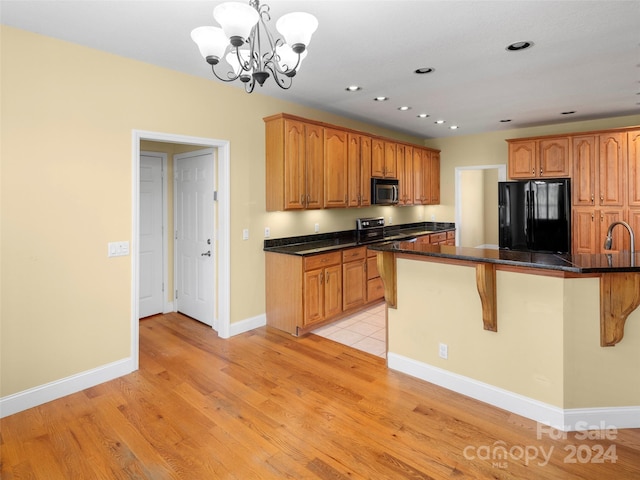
[223,269]
[502,176]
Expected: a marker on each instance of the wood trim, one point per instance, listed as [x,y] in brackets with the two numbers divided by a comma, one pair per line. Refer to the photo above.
[345,129]
[572,134]
[619,296]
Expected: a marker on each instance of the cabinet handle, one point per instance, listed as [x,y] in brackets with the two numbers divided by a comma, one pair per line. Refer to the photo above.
[592,217]
[533,172]
[327,278]
[302,200]
[321,277]
[592,198]
[541,171]
[346,199]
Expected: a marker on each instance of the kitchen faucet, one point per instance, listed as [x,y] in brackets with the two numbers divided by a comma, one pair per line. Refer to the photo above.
[609,240]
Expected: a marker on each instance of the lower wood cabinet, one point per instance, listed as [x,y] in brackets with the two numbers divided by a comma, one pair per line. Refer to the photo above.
[589,228]
[302,293]
[354,277]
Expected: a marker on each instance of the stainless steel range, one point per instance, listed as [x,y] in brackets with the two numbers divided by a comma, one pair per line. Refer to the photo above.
[369,230]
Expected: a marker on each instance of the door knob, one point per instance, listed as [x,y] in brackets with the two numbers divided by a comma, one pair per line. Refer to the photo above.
[206,254]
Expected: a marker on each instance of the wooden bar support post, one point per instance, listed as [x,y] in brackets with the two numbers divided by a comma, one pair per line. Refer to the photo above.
[619,296]
[486,281]
[386,262]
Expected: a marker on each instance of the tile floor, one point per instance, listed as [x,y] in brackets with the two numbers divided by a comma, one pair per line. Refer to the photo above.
[365,330]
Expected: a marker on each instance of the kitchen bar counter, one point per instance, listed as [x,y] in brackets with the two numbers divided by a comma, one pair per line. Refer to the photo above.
[326,242]
[530,333]
[581,263]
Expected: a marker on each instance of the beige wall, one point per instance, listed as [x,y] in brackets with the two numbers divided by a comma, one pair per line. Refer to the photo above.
[68,113]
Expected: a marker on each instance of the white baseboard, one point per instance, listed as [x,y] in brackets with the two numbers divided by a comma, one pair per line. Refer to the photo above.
[65,386]
[242,326]
[566,420]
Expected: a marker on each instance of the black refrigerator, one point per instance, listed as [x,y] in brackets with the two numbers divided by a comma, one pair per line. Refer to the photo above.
[535,215]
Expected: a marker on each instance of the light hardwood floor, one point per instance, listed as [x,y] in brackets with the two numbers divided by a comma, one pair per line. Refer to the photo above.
[266,405]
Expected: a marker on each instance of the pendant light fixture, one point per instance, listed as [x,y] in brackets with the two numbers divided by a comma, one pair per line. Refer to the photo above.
[243,48]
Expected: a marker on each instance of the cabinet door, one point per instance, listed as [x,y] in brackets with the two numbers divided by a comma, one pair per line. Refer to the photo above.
[295,191]
[377,158]
[313,296]
[332,291]
[354,284]
[365,172]
[584,227]
[390,162]
[419,189]
[612,161]
[634,221]
[633,158]
[583,183]
[434,178]
[522,159]
[354,170]
[619,234]
[554,157]
[404,159]
[314,148]
[335,168]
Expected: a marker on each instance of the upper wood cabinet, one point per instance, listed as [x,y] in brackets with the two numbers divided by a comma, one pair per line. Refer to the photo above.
[383,159]
[294,164]
[359,170]
[612,162]
[542,158]
[335,168]
[404,160]
[316,165]
[633,159]
[584,174]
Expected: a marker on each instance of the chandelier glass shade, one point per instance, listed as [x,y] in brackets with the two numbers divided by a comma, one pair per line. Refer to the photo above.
[243,47]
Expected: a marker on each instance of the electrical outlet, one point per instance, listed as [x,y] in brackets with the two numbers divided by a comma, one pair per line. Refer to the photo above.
[245,234]
[117,249]
[267,232]
[390,222]
[433,217]
[443,350]
[316,227]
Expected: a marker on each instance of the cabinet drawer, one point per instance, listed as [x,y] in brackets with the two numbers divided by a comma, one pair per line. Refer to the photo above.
[375,289]
[372,268]
[438,237]
[352,254]
[451,234]
[324,260]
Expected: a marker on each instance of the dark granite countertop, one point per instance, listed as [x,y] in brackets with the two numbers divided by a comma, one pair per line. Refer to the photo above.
[581,263]
[326,242]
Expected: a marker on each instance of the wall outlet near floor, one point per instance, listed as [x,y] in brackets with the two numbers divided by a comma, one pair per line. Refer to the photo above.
[443,350]
[267,232]
[316,227]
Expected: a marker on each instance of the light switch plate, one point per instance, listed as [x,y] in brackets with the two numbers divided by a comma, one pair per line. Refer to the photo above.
[245,234]
[118,249]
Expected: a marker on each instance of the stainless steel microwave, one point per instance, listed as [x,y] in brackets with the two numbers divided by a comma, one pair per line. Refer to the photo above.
[384,191]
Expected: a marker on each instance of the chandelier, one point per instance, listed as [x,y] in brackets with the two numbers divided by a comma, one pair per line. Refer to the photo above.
[245,49]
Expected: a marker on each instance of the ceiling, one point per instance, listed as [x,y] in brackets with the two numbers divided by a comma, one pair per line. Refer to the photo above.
[585,58]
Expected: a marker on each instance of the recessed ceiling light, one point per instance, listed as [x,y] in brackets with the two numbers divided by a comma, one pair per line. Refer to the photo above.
[404,108]
[424,70]
[571,112]
[381,99]
[422,115]
[439,122]
[506,120]
[453,127]
[353,88]
[517,46]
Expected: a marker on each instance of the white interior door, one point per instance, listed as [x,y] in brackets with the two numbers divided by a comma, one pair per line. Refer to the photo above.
[151,253]
[195,249]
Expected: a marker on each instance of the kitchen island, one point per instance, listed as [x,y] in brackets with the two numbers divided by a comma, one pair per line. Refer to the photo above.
[555,338]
